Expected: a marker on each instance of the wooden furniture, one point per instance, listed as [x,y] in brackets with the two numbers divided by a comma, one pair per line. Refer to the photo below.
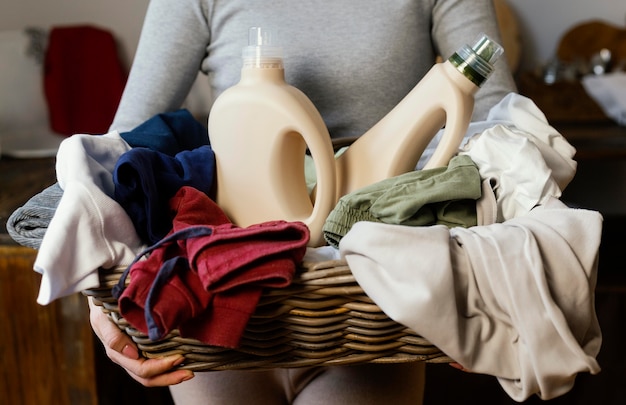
[590,37]
[558,90]
[46,352]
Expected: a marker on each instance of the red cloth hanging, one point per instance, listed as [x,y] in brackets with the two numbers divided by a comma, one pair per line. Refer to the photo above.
[83,79]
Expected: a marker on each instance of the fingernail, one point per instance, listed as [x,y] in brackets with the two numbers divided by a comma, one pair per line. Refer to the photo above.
[456,365]
[130,352]
[180,360]
[188,377]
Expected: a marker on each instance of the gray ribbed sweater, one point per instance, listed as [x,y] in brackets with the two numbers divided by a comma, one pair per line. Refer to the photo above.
[355,59]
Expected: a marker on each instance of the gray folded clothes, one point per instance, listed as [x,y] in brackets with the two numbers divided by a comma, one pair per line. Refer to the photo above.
[28,224]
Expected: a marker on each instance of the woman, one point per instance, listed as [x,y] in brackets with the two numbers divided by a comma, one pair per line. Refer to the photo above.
[355,59]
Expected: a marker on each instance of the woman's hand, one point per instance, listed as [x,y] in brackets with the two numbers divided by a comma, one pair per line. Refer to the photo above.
[122,350]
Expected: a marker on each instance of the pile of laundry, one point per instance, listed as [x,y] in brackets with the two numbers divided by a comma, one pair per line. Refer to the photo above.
[481,257]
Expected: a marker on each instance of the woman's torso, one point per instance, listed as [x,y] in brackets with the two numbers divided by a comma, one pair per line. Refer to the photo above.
[355,59]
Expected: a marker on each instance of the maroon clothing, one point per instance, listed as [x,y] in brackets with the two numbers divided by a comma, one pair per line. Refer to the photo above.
[206,277]
[83,79]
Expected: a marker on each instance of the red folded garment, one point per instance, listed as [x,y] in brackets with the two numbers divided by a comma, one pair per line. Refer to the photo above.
[189,206]
[180,296]
[224,321]
[235,264]
[231,265]
[234,256]
[83,79]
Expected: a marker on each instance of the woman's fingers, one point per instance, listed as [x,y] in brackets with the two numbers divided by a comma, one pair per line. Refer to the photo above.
[122,350]
[153,372]
[110,335]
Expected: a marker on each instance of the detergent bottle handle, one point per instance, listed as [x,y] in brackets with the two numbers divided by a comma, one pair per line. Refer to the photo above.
[453,133]
[325,191]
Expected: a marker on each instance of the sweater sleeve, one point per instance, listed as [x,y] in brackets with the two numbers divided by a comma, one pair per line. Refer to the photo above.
[456,23]
[171,47]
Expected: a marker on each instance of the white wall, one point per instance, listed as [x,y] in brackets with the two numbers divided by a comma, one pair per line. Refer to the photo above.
[122,17]
[543,22]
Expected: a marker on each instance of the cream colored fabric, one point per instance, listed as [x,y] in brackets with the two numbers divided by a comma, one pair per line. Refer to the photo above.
[89,229]
[514,300]
[530,160]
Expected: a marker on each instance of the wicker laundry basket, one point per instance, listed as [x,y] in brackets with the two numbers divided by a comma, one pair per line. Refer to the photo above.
[323,318]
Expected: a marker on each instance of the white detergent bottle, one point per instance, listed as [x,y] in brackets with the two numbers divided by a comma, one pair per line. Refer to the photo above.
[259,130]
[444,97]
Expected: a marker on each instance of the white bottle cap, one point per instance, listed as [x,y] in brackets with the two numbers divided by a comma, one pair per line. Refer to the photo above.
[260,51]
